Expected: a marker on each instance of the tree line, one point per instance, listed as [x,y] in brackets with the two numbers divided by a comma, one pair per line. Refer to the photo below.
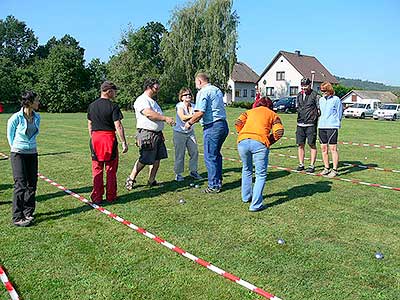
[202,35]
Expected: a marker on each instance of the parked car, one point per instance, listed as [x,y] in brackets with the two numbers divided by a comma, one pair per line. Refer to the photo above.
[388,111]
[287,104]
[362,109]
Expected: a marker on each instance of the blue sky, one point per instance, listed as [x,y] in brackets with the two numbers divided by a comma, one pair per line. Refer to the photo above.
[353,39]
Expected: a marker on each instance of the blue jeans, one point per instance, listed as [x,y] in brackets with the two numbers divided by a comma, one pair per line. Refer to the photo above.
[249,151]
[214,135]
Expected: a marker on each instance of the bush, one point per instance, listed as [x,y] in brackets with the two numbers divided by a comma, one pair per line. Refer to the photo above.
[242,104]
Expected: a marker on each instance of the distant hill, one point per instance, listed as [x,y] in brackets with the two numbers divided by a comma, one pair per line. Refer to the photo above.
[367,85]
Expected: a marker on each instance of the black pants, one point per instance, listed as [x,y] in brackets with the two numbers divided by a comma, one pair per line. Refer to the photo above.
[25,167]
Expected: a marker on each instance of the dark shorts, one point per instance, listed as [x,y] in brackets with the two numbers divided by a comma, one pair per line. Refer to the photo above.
[303,133]
[151,146]
[328,136]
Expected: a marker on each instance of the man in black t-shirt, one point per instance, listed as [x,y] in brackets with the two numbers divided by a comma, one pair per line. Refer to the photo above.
[104,118]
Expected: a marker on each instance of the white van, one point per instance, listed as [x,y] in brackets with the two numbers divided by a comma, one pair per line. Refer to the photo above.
[362,108]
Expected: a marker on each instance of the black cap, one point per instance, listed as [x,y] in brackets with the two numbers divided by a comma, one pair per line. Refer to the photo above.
[108,85]
[305,81]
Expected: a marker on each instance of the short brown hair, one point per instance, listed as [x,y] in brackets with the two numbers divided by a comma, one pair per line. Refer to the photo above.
[203,76]
[183,91]
[327,86]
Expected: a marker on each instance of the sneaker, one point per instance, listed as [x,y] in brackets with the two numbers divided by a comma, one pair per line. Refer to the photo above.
[154,183]
[310,169]
[29,218]
[325,172]
[300,168]
[262,207]
[195,175]
[22,223]
[179,177]
[209,190]
[333,173]
[129,183]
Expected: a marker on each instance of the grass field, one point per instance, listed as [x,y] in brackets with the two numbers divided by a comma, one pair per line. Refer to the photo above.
[332,228]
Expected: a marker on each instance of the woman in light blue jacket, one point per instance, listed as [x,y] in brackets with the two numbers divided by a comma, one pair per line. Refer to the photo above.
[328,128]
[22,130]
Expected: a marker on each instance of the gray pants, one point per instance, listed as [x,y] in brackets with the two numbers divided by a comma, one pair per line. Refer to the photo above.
[181,142]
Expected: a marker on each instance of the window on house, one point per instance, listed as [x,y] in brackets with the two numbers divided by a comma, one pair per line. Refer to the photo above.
[237,93]
[270,91]
[244,93]
[294,90]
[252,93]
[280,75]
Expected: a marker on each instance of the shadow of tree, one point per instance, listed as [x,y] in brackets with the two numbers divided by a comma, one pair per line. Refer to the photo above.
[301,191]
[40,198]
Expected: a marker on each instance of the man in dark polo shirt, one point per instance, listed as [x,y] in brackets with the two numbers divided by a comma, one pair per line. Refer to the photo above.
[104,118]
[307,118]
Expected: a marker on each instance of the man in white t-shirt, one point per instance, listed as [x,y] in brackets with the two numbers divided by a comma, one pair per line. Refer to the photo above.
[149,138]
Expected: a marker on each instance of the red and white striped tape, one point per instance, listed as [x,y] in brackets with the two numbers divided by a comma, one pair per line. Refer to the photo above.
[8,285]
[348,143]
[3,155]
[355,181]
[166,244]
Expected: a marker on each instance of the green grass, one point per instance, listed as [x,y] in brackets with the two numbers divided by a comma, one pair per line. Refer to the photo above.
[332,228]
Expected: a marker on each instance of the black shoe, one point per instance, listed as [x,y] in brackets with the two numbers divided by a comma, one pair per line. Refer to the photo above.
[300,168]
[310,169]
[154,183]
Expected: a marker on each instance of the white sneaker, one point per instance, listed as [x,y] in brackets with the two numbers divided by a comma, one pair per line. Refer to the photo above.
[325,172]
[179,177]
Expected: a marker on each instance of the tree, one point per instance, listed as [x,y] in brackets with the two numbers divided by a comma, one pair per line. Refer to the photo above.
[9,91]
[138,57]
[17,41]
[203,36]
[341,90]
[62,79]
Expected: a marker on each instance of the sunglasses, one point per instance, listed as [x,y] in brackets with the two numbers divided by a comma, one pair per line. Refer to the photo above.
[187,95]
[324,91]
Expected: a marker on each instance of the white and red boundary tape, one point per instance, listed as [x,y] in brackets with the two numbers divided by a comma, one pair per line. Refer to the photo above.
[355,181]
[8,285]
[3,155]
[166,244]
[348,143]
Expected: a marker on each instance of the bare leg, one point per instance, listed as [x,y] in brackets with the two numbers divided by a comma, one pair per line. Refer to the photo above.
[325,157]
[313,152]
[153,170]
[335,156]
[300,152]
[136,169]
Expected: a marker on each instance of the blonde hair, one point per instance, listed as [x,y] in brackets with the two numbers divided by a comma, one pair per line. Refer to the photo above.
[183,91]
[203,76]
[327,86]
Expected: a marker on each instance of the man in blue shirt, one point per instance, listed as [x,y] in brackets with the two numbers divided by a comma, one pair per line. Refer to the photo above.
[210,111]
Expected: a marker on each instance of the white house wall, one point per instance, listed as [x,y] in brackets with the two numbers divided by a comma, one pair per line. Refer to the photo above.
[347,100]
[281,87]
[230,95]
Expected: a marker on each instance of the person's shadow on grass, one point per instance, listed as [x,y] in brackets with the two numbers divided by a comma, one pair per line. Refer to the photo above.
[55,215]
[45,197]
[301,191]
[348,167]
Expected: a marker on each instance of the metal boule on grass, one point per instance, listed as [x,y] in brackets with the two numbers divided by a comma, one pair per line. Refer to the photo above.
[281,241]
[182,201]
[379,255]
[196,186]
[191,185]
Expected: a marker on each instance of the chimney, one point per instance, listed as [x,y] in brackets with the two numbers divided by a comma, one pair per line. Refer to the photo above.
[297,52]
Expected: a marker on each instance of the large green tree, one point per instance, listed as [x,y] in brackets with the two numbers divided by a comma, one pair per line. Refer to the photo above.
[17,42]
[203,36]
[62,78]
[137,58]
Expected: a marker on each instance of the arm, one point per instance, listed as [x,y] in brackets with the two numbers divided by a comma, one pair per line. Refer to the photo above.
[182,116]
[89,125]
[194,119]
[11,127]
[277,130]
[155,116]
[240,122]
[121,134]
[340,109]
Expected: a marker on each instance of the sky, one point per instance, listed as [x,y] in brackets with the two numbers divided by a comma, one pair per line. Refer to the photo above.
[353,39]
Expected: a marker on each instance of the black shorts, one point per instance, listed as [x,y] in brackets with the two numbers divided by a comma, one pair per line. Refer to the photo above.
[328,136]
[151,146]
[303,133]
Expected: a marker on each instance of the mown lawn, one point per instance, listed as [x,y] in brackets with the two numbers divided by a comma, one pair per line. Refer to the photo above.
[332,228]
